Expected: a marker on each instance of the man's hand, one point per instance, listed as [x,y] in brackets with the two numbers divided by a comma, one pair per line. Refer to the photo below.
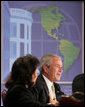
[53,101]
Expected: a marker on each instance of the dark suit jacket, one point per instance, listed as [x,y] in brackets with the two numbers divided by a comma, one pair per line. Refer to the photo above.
[42,90]
[21,96]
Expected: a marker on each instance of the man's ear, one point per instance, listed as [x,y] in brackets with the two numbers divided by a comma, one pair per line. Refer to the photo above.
[45,68]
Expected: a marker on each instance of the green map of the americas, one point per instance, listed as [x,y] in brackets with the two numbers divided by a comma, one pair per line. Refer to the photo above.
[51,19]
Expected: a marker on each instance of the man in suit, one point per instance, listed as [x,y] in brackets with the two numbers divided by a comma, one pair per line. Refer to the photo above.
[50,71]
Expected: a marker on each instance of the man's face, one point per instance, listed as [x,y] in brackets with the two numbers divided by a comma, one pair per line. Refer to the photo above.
[55,70]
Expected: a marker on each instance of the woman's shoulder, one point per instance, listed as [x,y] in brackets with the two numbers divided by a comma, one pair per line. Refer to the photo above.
[17,89]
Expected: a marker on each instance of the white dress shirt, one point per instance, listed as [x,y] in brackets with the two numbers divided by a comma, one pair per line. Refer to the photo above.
[49,84]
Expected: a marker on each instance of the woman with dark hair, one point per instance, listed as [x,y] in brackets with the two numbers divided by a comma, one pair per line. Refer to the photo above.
[23,77]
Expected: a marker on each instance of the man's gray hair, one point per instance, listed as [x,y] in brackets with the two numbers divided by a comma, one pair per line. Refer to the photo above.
[46,60]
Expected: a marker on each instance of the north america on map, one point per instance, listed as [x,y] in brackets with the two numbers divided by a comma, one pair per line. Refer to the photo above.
[51,19]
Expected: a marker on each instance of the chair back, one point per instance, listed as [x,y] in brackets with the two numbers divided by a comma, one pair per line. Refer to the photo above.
[72,100]
[3,94]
